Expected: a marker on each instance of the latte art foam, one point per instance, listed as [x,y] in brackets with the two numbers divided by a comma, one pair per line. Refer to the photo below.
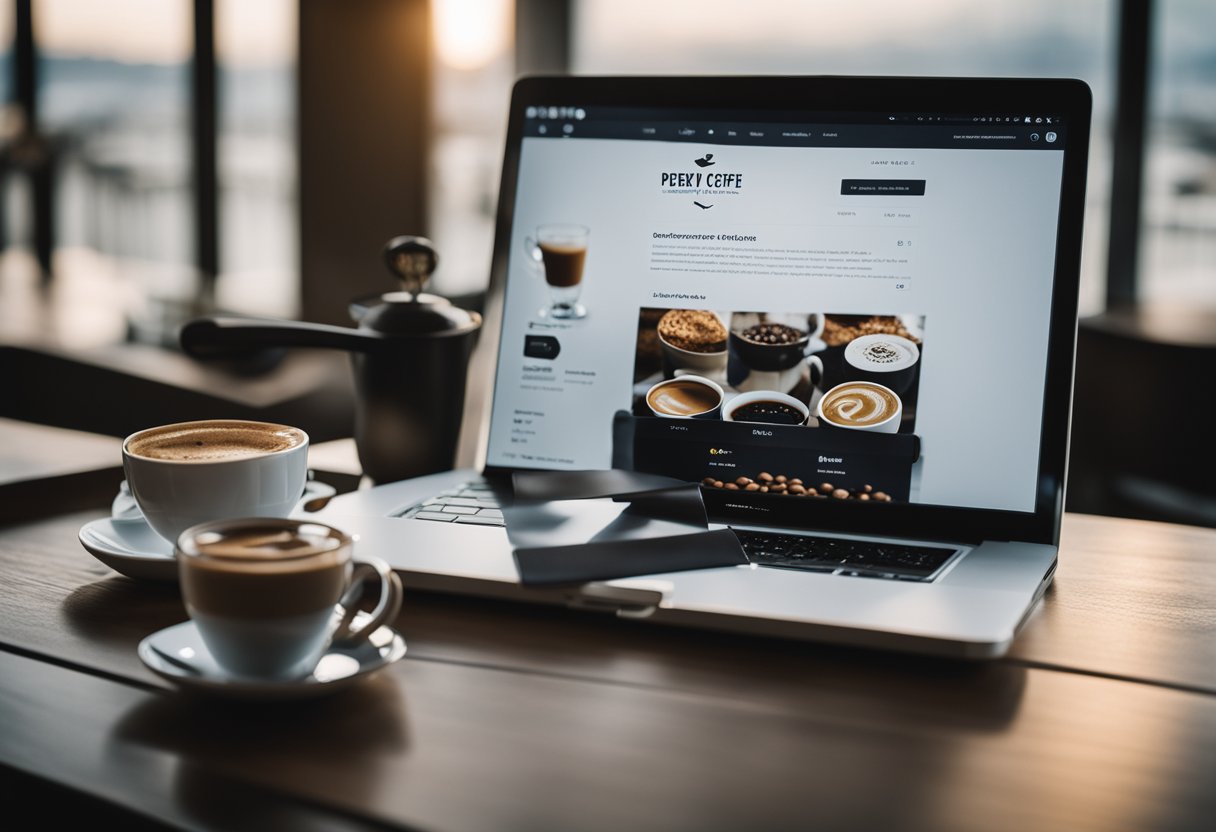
[858,405]
[881,353]
[683,398]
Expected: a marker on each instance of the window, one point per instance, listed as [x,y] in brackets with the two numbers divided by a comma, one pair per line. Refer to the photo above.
[113,102]
[258,206]
[1178,212]
[114,105]
[474,67]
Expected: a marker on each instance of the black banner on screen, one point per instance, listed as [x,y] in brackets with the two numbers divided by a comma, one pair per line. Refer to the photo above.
[696,449]
[882,187]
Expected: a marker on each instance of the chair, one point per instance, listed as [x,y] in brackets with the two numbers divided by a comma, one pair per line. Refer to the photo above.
[1143,405]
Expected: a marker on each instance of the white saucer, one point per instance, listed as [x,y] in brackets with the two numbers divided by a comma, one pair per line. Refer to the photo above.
[130,547]
[178,654]
[126,543]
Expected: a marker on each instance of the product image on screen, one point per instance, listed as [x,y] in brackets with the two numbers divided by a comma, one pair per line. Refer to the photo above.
[559,252]
[797,404]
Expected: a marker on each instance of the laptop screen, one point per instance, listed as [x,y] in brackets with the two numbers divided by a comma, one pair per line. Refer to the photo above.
[833,306]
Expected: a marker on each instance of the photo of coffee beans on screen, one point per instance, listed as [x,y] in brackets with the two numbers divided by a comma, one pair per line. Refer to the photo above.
[780,484]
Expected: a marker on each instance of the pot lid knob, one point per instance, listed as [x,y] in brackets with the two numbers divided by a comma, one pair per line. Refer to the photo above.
[411,311]
[412,260]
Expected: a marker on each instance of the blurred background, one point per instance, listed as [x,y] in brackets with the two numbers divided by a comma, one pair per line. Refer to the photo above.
[161,158]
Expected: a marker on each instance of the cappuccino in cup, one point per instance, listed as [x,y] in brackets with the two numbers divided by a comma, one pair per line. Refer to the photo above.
[266,594]
[214,441]
[193,472]
[881,353]
[685,397]
[861,405]
[889,360]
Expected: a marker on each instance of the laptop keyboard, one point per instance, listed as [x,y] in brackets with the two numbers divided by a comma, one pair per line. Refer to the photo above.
[859,558]
[474,503]
[471,504]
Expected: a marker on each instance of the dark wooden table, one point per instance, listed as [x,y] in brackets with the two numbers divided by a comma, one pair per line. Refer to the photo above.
[505,716]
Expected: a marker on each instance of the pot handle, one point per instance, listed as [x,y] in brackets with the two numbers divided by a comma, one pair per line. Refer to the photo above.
[214,337]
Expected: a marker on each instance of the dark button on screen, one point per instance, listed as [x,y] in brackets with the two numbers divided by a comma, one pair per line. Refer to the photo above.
[541,346]
[882,187]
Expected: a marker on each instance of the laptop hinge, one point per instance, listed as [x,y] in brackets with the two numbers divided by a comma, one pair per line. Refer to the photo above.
[623,601]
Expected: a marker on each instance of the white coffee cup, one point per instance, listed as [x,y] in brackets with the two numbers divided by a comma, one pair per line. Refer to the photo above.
[881,353]
[889,360]
[867,394]
[236,469]
[676,398]
[269,595]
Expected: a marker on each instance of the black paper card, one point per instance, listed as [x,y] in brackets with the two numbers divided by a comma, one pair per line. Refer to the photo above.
[542,486]
[628,558]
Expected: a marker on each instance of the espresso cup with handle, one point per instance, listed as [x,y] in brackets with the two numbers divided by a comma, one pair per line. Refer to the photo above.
[192,472]
[861,405]
[686,397]
[269,596]
[559,253]
[889,360]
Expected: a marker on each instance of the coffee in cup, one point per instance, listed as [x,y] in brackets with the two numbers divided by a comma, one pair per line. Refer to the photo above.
[268,596]
[861,405]
[563,264]
[889,360]
[192,472]
[214,441]
[560,251]
[685,397]
[768,407]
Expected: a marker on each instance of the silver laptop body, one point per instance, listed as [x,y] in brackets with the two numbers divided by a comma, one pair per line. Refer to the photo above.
[919,232]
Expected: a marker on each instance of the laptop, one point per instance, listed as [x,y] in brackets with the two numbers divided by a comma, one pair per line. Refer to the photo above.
[845,306]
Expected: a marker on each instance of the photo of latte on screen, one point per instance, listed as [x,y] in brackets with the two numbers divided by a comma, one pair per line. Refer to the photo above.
[559,253]
[806,404]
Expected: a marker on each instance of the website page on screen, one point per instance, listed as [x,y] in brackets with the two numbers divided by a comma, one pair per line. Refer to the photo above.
[811,309]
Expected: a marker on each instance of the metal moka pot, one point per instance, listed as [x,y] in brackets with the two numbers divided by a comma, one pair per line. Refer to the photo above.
[410,355]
